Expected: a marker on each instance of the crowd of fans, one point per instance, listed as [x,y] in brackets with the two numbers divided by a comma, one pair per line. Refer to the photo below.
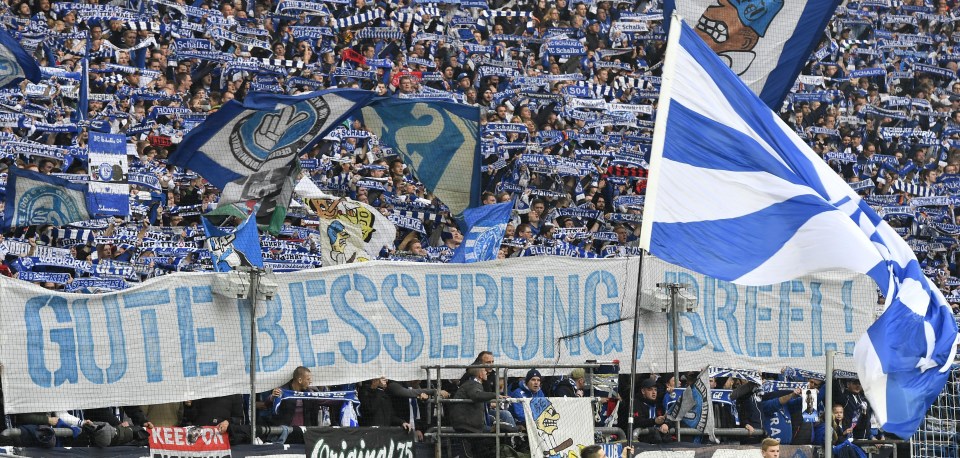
[157,69]
[567,92]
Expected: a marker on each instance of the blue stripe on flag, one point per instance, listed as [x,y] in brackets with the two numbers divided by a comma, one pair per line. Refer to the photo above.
[806,37]
[697,150]
[726,260]
[751,110]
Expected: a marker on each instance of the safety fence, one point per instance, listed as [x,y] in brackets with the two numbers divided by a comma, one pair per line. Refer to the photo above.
[938,434]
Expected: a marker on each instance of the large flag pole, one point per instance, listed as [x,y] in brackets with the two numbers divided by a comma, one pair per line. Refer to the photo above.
[828,406]
[675,329]
[633,351]
[254,292]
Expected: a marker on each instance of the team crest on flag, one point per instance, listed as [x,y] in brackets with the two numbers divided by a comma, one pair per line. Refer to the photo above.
[558,427]
[249,149]
[279,134]
[33,199]
[694,409]
[229,250]
[486,226]
[15,63]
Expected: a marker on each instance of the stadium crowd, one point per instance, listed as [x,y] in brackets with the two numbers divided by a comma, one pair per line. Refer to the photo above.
[567,92]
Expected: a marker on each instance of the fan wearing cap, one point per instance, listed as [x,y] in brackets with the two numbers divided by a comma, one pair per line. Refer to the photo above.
[463,83]
[572,386]
[530,388]
[648,415]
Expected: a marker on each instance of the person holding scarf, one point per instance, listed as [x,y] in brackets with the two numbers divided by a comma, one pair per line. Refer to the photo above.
[295,413]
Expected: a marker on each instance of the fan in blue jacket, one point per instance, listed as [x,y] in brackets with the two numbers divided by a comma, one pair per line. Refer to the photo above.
[530,388]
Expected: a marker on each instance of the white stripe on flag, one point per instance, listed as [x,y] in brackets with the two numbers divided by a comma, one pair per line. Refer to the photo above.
[820,244]
[753,192]
[701,94]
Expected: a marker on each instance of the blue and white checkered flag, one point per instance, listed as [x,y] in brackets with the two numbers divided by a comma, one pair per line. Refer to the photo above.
[733,193]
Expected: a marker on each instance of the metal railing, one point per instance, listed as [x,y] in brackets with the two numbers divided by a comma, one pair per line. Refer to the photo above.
[872,447]
[14,433]
[434,373]
[719,432]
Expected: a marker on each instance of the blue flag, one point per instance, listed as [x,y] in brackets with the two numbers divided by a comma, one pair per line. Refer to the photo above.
[33,198]
[15,63]
[485,226]
[766,42]
[694,408]
[733,193]
[107,161]
[229,250]
[250,149]
[439,141]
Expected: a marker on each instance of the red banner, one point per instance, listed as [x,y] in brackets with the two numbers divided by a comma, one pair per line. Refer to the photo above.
[192,442]
[353,56]
[395,79]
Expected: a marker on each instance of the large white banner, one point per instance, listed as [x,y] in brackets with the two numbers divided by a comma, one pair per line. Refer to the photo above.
[766,328]
[173,339]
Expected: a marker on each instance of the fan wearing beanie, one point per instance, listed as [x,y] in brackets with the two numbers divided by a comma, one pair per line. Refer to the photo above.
[530,388]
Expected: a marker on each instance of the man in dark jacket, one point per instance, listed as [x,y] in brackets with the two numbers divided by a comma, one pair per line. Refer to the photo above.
[857,409]
[490,384]
[126,431]
[376,407]
[752,408]
[572,386]
[648,415]
[471,417]
[224,412]
[409,402]
[295,412]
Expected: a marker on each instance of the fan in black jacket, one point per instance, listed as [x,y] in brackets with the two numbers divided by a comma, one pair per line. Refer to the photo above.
[125,433]
[224,412]
[376,407]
